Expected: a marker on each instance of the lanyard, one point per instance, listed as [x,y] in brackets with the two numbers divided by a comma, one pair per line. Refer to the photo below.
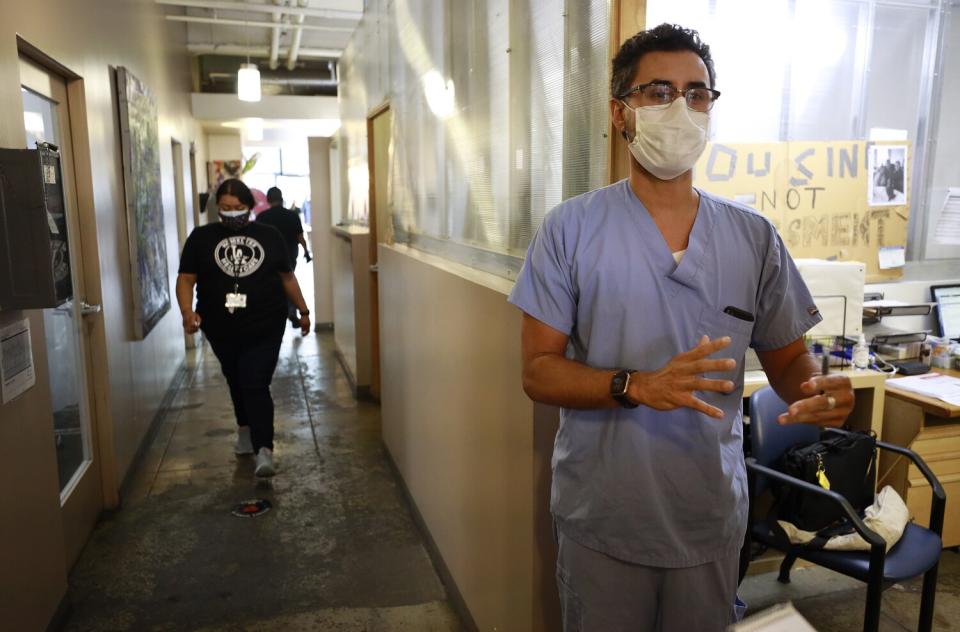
[236,272]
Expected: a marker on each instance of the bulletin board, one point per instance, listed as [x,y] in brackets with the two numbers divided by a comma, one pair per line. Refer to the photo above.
[837,200]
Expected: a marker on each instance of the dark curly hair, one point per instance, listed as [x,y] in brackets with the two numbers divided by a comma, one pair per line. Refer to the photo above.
[237,189]
[666,37]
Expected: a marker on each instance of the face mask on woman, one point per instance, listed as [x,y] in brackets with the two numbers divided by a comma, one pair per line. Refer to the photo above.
[234,220]
[669,139]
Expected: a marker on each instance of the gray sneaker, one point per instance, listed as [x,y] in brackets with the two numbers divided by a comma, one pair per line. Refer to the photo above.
[264,467]
[244,445]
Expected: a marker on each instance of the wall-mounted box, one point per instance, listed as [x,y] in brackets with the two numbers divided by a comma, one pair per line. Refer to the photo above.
[34,257]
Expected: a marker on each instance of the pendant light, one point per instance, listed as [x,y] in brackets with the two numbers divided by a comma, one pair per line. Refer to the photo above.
[248,82]
[248,78]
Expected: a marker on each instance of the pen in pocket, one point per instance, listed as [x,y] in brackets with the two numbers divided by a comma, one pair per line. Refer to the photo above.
[736,312]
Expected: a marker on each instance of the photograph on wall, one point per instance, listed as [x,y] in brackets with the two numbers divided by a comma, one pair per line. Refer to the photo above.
[220,170]
[217,172]
[886,165]
[140,147]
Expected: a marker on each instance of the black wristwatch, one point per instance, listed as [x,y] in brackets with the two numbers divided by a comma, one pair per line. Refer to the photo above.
[618,388]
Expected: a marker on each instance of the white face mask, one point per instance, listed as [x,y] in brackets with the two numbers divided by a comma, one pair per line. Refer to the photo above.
[669,139]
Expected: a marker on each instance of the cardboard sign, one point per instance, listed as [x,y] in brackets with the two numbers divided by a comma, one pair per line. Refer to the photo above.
[821,196]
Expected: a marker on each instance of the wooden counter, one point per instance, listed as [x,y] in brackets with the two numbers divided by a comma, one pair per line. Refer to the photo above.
[868,388]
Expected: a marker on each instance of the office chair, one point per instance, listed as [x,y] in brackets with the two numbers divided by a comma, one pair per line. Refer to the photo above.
[917,552]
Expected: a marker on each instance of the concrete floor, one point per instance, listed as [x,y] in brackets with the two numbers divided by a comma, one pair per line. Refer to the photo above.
[338,551]
[834,603]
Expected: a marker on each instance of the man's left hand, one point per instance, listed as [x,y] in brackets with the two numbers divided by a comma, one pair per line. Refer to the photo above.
[304,324]
[828,403]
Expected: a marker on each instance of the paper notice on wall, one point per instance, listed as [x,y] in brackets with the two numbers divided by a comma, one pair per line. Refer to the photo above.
[16,360]
[948,226]
[892,257]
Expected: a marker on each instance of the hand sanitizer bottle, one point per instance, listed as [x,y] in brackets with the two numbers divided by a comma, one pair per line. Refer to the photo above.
[861,353]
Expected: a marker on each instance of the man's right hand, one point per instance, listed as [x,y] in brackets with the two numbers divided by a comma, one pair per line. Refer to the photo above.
[191,322]
[674,385]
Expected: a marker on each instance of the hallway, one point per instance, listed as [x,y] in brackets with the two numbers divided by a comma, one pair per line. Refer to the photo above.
[339,549]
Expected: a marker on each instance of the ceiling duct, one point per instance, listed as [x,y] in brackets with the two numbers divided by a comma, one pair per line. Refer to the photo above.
[264,7]
[297,37]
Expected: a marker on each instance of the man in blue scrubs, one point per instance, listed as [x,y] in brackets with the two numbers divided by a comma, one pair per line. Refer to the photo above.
[640,300]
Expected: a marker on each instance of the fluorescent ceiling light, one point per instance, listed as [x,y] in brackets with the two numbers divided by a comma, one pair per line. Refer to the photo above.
[302,127]
[248,83]
[253,129]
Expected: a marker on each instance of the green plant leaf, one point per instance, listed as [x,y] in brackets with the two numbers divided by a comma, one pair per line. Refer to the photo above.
[251,162]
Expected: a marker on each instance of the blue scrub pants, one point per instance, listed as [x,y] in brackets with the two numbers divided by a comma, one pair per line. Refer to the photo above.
[599,593]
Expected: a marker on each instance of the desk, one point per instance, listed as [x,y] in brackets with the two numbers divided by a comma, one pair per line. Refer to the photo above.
[931,428]
[868,388]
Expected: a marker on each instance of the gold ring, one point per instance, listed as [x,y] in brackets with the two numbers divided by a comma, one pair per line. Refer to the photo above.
[831,402]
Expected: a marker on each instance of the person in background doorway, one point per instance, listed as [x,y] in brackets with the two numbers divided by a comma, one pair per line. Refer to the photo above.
[640,300]
[289,225]
[241,270]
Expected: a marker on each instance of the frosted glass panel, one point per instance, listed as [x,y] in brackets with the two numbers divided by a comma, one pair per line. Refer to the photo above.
[499,111]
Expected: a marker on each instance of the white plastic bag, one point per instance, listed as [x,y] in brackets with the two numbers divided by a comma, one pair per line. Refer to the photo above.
[887,517]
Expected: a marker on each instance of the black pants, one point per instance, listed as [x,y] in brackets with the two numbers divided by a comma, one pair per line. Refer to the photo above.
[291,308]
[248,363]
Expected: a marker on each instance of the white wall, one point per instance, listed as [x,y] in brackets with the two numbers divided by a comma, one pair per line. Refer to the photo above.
[224,147]
[460,429]
[320,236]
[228,106]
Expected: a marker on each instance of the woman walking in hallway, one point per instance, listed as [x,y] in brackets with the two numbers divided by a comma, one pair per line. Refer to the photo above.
[243,279]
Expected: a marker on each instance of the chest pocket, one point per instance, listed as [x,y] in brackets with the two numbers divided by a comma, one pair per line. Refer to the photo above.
[716,324]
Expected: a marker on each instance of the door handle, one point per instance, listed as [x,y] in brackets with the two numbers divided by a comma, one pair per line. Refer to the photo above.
[86,309]
[375,268]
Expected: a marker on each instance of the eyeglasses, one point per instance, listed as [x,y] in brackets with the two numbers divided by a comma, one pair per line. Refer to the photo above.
[655,93]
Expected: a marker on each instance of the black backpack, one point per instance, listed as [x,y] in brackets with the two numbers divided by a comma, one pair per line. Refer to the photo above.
[843,463]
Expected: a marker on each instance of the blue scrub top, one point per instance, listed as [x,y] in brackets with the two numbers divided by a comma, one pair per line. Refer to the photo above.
[664,489]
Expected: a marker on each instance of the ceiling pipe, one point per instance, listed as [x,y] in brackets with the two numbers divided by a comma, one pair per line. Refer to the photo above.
[234,5]
[280,81]
[275,37]
[239,50]
[297,36]
[248,23]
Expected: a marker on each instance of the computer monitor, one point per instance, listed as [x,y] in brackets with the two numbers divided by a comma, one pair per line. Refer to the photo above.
[947,298]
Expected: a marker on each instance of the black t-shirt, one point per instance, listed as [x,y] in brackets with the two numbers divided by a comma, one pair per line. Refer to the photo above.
[253,257]
[289,225]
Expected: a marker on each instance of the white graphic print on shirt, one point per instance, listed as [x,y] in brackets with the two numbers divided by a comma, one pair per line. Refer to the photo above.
[239,256]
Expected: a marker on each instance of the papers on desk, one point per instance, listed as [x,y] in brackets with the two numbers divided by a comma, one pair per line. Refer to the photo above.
[780,618]
[932,385]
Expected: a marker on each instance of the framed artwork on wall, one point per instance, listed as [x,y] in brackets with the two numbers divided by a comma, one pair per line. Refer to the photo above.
[140,147]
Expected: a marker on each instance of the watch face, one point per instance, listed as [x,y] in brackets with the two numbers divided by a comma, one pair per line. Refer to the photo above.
[618,385]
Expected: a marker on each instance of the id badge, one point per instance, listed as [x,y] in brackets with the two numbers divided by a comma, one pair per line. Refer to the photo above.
[235,301]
